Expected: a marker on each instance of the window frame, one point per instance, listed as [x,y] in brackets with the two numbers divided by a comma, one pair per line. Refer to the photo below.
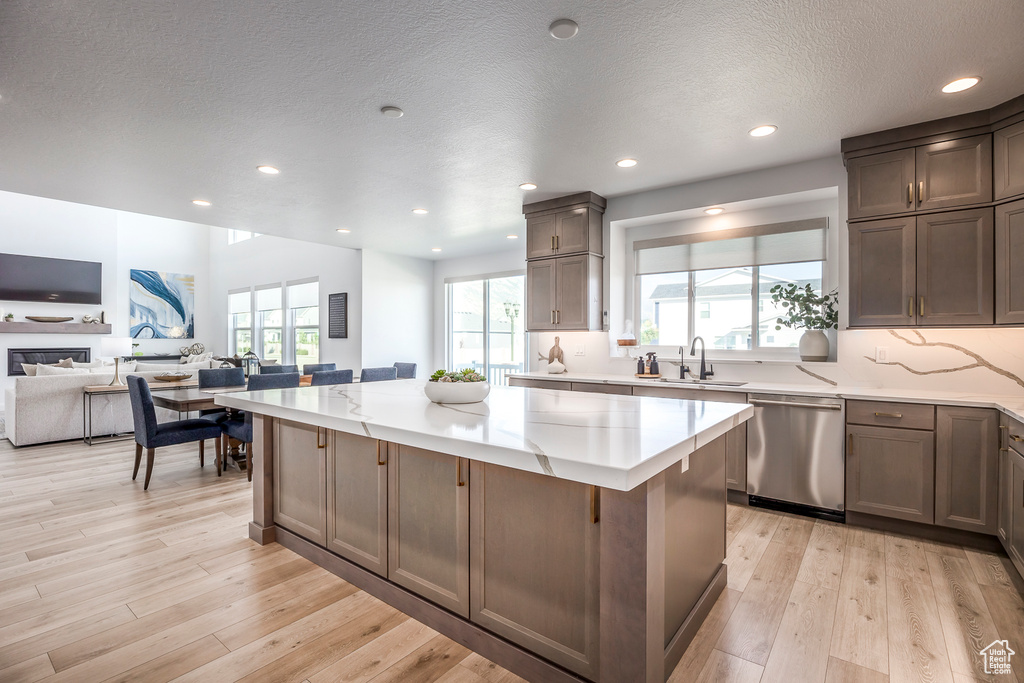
[449,361]
[294,329]
[232,329]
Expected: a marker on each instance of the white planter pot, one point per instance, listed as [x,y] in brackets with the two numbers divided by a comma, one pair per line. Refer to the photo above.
[814,346]
[456,392]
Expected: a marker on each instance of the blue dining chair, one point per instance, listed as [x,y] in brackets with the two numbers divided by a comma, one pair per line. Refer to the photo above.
[406,370]
[378,374]
[331,377]
[281,380]
[151,435]
[240,429]
[318,367]
[277,369]
[219,377]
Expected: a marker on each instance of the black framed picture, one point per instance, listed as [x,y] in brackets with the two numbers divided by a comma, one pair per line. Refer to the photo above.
[337,307]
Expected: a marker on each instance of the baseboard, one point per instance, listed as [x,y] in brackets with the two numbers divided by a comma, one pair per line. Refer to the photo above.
[928,532]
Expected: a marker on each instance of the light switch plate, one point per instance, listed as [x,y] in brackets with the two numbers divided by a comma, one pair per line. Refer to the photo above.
[581,350]
[882,354]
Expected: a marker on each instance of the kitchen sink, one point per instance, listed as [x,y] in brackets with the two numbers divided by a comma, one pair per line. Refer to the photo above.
[703,382]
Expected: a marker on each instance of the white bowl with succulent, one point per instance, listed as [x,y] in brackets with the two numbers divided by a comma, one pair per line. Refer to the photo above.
[805,309]
[458,386]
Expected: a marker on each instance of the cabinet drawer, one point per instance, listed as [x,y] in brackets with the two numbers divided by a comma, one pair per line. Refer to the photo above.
[603,388]
[538,383]
[903,415]
[1013,435]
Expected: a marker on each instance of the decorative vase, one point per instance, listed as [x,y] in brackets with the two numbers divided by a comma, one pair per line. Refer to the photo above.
[456,392]
[555,368]
[813,346]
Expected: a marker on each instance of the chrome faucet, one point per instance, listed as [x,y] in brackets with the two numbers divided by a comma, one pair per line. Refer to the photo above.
[705,370]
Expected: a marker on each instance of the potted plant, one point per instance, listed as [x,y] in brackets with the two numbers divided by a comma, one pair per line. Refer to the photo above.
[459,386]
[804,309]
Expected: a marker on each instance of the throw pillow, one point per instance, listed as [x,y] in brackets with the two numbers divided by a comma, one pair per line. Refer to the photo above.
[45,370]
[66,363]
[29,368]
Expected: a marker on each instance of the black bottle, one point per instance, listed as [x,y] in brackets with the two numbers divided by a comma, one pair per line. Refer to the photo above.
[654,365]
[640,365]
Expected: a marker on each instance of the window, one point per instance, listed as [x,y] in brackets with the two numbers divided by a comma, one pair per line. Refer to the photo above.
[304,306]
[718,285]
[270,319]
[240,321]
[236,236]
[485,325]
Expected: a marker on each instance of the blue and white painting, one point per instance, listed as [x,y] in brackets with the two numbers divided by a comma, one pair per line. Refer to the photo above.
[162,305]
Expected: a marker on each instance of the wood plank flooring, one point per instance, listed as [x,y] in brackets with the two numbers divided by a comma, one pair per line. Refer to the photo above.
[101,581]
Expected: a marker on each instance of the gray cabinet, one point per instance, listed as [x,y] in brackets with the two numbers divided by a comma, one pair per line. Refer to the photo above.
[564,293]
[891,472]
[1015,548]
[883,275]
[300,476]
[428,525]
[966,471]
[563,226]
[954,173]
[1004,514]
[1011,490]
[1008,161]
[881,184]
[357,500]
[540,591]
[955,268]
[1009,250]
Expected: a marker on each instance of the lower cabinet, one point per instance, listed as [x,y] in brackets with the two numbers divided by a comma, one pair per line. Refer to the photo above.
[966,471]
[300,479]
[891,472]
[357,500]
[1011,491]
[1016,545]
[540,591]
[428,525]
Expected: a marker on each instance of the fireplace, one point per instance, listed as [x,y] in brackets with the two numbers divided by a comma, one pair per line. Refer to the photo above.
[15,357]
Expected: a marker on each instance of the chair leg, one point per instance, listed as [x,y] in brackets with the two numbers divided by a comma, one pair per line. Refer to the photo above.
[248,461]
[149,466]
[220,442]
[202,453]
[138,460]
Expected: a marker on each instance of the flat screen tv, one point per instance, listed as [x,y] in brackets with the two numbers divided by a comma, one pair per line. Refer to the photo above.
[34,278]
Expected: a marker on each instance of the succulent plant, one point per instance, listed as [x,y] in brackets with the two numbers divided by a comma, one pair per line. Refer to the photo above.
[466,375]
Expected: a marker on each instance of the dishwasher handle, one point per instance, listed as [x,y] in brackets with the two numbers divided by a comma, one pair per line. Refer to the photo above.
[791,404]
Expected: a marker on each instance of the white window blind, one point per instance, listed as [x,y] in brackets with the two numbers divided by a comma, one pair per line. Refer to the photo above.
[268,299]
[760,245]
[239,302]
[304,295]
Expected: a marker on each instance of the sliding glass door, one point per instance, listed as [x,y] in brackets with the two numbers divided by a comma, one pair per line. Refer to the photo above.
[485,325]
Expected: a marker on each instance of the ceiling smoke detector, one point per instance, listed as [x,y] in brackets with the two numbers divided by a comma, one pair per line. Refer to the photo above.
[563,29]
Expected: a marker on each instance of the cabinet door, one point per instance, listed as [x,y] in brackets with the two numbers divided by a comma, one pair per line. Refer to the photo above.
[1016,547]
[1004,522]
[966,477]
[540,295]
[891,472]
[1009,255]
[736,458]
[573,232]
[881,184]
[428,525]
[954,173]
[1008,161]
[539,590]
[300,476]
[955,269]
[572,293]
[357,499]
[883,272]
[540,236]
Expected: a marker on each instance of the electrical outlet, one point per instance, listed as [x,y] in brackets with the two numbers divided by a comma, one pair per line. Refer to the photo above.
[581,350]
[882,354]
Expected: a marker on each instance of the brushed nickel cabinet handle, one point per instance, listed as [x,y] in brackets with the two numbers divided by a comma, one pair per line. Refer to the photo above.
[910,307]
[552,316]
[910,194]
[458,472]
[379,461]
[921,308]
[920,192]
[595,505]
[896,415]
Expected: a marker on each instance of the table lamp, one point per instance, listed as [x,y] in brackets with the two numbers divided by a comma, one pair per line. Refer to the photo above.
[116,347]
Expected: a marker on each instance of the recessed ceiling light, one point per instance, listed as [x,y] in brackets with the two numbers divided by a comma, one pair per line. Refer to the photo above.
[392,112]
[269,170]
[436,249]
[626,163]
[961,84]
[762,131]
[563,29]
[200,202]
[344,231]
[419,212]
[511,237]
[528,186]
[714,210]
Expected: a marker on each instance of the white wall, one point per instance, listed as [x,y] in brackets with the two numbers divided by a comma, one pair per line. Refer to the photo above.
[397,323]
[508,261]
[267,260]
[37,226]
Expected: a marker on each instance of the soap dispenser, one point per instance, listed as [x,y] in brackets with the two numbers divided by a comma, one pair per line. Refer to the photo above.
[640,365]
[654,364]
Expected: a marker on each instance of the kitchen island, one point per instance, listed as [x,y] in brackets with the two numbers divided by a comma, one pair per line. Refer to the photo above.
[563,536]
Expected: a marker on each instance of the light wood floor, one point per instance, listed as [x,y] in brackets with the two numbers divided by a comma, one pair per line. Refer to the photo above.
[102,581]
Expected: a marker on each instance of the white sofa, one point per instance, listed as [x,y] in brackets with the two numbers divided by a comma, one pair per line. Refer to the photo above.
[51,408]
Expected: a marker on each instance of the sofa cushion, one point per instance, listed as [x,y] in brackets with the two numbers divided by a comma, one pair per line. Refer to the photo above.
[44,370]
[92,364]
[29,369]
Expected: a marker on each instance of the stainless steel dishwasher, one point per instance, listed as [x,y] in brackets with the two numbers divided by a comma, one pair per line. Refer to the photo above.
[795,458]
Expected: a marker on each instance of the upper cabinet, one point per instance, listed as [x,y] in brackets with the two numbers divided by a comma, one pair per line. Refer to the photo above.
[564,263]
[940,175]
[1008,161]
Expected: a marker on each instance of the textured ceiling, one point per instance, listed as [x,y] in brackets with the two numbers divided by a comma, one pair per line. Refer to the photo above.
[144,106]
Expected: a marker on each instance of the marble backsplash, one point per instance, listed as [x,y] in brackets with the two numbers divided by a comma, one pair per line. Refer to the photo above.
[986,361]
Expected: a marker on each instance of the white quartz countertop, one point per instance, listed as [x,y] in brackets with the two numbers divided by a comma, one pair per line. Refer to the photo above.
[1012,405]
[611,441]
